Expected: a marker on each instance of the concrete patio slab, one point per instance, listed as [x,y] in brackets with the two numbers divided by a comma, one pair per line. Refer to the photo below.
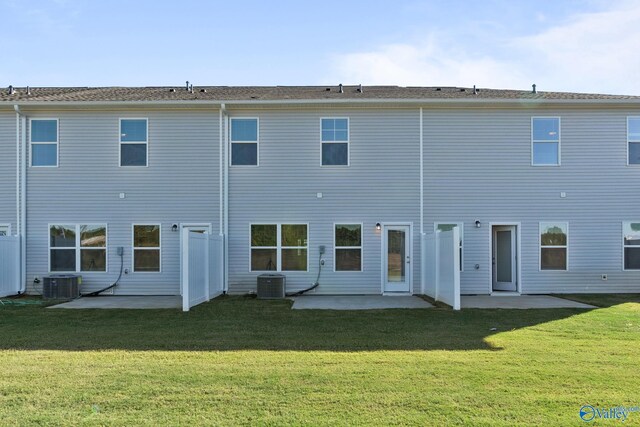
[518,302]
[127,302]
[357,302]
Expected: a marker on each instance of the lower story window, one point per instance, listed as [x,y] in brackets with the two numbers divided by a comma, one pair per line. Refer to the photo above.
[631,245]
[146,248]
[279,247]
[348,247]
[5,230]
[77,247]
[553,245]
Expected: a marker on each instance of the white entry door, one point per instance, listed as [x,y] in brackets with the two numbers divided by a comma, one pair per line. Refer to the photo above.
[505,271]
[396,255]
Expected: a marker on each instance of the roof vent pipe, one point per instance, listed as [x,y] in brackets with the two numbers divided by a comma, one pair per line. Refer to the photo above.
[475,91]
[340,88]
[534,88]
[12,91]
[191,88]
[360,88]
[187,87]
[28,90]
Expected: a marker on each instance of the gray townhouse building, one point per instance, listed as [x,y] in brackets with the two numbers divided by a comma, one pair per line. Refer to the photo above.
[337,181]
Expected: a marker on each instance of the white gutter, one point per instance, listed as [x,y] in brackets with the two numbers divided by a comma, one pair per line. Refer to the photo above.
[226,203]
[410,101]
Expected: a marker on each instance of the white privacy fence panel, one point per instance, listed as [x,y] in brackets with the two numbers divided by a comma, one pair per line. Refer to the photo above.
[441,266]
[9,265]
[216,266]
[202,268]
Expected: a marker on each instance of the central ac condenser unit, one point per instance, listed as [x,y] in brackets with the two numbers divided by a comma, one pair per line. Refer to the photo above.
[271,286]
[61,286]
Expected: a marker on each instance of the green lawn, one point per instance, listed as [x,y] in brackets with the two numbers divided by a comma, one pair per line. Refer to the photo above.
[241,361]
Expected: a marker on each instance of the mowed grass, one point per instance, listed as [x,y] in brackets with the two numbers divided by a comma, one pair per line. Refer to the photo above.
[240,361]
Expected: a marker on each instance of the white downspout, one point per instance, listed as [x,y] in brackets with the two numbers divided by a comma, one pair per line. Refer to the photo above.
[226,203]
[222,107]
[21,197]
[23,207]
[17,108]
[421,178]
[422,256]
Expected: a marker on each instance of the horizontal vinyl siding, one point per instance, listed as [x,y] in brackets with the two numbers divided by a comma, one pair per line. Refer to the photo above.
[8,170]
[380,185]
[478,167]
[180,185]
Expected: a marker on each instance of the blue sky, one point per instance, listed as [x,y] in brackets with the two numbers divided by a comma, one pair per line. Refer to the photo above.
[566,45]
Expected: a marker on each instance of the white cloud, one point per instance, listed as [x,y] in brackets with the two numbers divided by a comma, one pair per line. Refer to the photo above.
[591,52]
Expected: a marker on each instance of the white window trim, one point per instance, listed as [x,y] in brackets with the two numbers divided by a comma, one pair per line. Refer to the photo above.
[361,247]
[7,226]
[120,142]
[627,246]
[78,248]
[134,248]
[547,142]
[566,223]
[257,142]
[31,143]
[460,225]
[348,142]
[629,141]
[279,246]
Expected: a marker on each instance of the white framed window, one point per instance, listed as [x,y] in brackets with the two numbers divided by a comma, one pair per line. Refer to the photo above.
[147,253]
[43,142]
[334,141]
[279,247]
[554,243]
[633,140]
[347,247]
[134,142]
[448,226]
[631,245]
[77,248]
[245,136]
[5,229]
[545,141]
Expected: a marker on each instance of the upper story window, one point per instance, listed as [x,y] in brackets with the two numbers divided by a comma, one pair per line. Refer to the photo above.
[134,142]
[44,142]
[78,247]
[448,226]
[244,141]
[335,141]
[348,247]
[633,139]
[631,245]
[545,141]
[5,230]
[553,245]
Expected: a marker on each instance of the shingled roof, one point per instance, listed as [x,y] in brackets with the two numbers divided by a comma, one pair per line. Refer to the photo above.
[281,93]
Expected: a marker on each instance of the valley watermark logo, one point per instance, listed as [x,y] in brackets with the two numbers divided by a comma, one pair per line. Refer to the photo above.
[620,413]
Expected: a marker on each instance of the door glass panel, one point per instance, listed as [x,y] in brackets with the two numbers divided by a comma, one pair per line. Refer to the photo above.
[503,257]
[395,255]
